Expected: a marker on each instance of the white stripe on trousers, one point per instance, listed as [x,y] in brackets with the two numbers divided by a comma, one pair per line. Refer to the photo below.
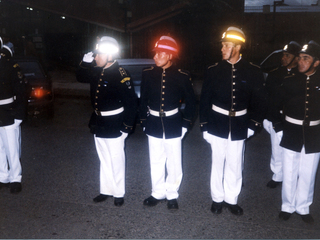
[299,172]
[112,165]
[10,152]
[165,154]
[276,152]
[226,169]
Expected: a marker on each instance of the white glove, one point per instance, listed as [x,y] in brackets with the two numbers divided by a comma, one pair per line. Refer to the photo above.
[279,135]
[184,131]
[88,57]
[124,135]
[250,133]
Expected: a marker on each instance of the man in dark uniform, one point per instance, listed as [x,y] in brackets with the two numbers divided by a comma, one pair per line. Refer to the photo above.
[299,125]
[115,104]
[13,106]
[289,62]
[163,88]
[232,107]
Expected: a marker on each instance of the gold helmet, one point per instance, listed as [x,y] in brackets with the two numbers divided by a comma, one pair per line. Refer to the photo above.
[235,35]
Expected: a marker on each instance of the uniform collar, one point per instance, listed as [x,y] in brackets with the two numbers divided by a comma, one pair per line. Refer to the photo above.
[235,62]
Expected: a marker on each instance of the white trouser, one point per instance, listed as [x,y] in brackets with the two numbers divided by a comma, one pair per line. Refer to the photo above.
[276,152]
[299,172]
[226,170]
[112,165]
[165,154]
[10,149]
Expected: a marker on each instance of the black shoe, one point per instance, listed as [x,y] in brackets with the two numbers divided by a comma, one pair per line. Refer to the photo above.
[173,204]
[118,201]
[235,209]
[307,218]
[100,198]
[15,187]
[150,201]
[216,207]
[284,215]
[4,185]
[273,184]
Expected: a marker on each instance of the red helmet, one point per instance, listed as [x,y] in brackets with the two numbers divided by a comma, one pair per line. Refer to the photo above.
[166,44]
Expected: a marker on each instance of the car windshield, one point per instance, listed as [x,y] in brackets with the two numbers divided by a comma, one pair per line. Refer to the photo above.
[31,70]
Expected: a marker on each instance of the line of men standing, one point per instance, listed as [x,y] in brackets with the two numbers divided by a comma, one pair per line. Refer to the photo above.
[233,105]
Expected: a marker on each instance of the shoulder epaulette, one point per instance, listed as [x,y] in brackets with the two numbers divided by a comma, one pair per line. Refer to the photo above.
[125,79]
[289,76]
[274,69]
[148,69]
[183,72]
[16,65]
[123,72]
[255,65]
[214,65]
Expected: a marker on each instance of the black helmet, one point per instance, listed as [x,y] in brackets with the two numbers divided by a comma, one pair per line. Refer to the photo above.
[312,49]
[6,52]
[292,48]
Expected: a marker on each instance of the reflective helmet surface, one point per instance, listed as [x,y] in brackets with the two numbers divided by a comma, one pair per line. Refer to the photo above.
[312,49]
[166,44]
[292,48]
[107,45]
[234,34]
[6,52]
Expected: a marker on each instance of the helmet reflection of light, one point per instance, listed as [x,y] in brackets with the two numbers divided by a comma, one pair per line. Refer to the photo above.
[107,48]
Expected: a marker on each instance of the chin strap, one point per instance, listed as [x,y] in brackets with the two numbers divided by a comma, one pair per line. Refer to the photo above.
[291,62]
[230,54]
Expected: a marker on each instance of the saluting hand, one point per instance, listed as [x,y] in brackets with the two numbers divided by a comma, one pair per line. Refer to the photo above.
[88,57]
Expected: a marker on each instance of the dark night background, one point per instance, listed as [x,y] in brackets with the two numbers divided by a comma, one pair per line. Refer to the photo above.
[197,25]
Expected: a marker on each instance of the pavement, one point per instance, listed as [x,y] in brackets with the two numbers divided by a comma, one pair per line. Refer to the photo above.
[59,184]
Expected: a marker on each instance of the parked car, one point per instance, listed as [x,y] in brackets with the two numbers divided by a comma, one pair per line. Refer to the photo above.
[40,90]
[135,66]
[272,61]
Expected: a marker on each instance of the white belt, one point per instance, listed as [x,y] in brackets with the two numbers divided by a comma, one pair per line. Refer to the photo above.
[302,122]
[163,114]
[6,101]
[229,113]
[109,113]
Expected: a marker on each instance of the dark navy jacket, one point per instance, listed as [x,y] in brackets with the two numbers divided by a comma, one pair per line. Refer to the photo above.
[299,98]
[233,87]
[165,90]
[273,83]
[12,85]
[110,89]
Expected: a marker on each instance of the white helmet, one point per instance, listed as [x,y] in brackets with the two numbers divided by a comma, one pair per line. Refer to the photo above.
[107,45]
